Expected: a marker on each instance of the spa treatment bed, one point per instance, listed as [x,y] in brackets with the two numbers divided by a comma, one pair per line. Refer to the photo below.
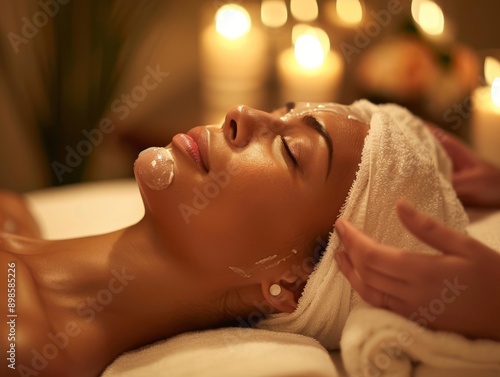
[94,208]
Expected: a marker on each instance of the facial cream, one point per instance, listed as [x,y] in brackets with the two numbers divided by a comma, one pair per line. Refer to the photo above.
[155,167]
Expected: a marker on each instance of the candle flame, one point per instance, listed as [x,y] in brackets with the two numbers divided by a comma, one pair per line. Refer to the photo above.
[303,29]
[304,10]
[428,15]
[273,13]
[491,69]
[349,11]
[309,51]
[232,21]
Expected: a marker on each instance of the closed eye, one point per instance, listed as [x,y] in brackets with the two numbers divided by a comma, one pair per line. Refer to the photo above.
[286,147]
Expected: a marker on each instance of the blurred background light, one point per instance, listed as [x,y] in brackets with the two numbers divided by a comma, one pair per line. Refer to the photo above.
[273,13]
[232,21]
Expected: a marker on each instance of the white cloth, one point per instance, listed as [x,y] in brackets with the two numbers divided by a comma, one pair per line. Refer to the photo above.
[389,345]
[400,157]
[227,352]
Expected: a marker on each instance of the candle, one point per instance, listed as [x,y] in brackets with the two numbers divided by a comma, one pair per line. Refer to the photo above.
[304,10]
[233,62]
[273,13]
[430,19]
[346,21]
[345,13]
[310,71]
[486,114]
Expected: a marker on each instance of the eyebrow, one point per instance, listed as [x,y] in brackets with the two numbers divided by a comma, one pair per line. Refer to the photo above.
[313,123]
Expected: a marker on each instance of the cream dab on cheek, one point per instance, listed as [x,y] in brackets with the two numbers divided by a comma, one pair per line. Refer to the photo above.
[155,167]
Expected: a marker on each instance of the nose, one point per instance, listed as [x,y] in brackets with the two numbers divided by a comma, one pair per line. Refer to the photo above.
[244,124]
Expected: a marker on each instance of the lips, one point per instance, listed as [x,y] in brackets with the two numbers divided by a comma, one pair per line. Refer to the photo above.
[194,146]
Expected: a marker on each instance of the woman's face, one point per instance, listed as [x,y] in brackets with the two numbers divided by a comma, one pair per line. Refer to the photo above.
[246,195]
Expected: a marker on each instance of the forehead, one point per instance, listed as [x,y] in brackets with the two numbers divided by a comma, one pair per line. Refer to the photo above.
[292,110]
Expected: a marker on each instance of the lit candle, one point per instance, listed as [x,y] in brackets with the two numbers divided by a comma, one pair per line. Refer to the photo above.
[430,19]
[273,13]
[310,71]
[486,114]
[304,10]
[233,61]
[347,13]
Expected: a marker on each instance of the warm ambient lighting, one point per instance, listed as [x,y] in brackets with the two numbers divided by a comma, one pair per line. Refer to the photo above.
[495,92]
[485,122]
[491,69]
[309,51]
[492,77]
[232,21]
[349,11]
[273,13]
[429,16]
[309,71]
[302,29]
[304,10]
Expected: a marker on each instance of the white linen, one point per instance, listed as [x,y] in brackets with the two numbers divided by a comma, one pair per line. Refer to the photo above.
[227,352]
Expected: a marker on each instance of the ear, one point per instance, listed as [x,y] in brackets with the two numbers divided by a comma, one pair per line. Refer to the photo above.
[286,301]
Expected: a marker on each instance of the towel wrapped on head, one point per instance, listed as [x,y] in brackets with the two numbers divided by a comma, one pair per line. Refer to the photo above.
[400,158]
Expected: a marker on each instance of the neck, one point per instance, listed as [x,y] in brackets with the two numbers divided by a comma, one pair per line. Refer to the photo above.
[126,285]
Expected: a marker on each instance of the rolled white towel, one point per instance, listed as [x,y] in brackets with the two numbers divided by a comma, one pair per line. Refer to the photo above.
[389,345]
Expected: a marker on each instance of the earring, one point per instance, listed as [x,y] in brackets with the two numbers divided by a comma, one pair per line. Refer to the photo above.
[275,290]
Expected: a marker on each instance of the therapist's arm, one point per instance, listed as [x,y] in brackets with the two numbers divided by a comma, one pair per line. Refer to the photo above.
[457,291]
[476,181]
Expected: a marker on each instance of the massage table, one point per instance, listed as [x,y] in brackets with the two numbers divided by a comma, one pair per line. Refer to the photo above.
[93,208]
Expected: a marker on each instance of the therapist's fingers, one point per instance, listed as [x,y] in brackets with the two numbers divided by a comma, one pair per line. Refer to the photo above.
[368,293]
[461,155]
[434,233]
[382,267]
[376,297]
[367,254]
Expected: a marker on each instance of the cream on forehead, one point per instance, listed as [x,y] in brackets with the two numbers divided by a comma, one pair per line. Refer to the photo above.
[308,107]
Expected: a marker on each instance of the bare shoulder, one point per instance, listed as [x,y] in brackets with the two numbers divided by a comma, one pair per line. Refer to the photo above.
[24,327]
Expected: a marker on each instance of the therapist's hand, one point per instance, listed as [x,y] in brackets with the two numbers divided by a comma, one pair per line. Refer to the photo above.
[16,217]
[457,291]
[476,181]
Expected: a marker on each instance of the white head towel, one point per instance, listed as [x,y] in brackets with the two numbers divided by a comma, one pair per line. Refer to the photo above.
[400,158]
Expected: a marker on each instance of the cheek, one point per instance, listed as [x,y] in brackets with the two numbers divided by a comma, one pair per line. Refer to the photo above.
[171,206]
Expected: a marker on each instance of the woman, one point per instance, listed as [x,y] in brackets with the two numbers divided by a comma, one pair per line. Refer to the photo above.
[197,259]
[237,230]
